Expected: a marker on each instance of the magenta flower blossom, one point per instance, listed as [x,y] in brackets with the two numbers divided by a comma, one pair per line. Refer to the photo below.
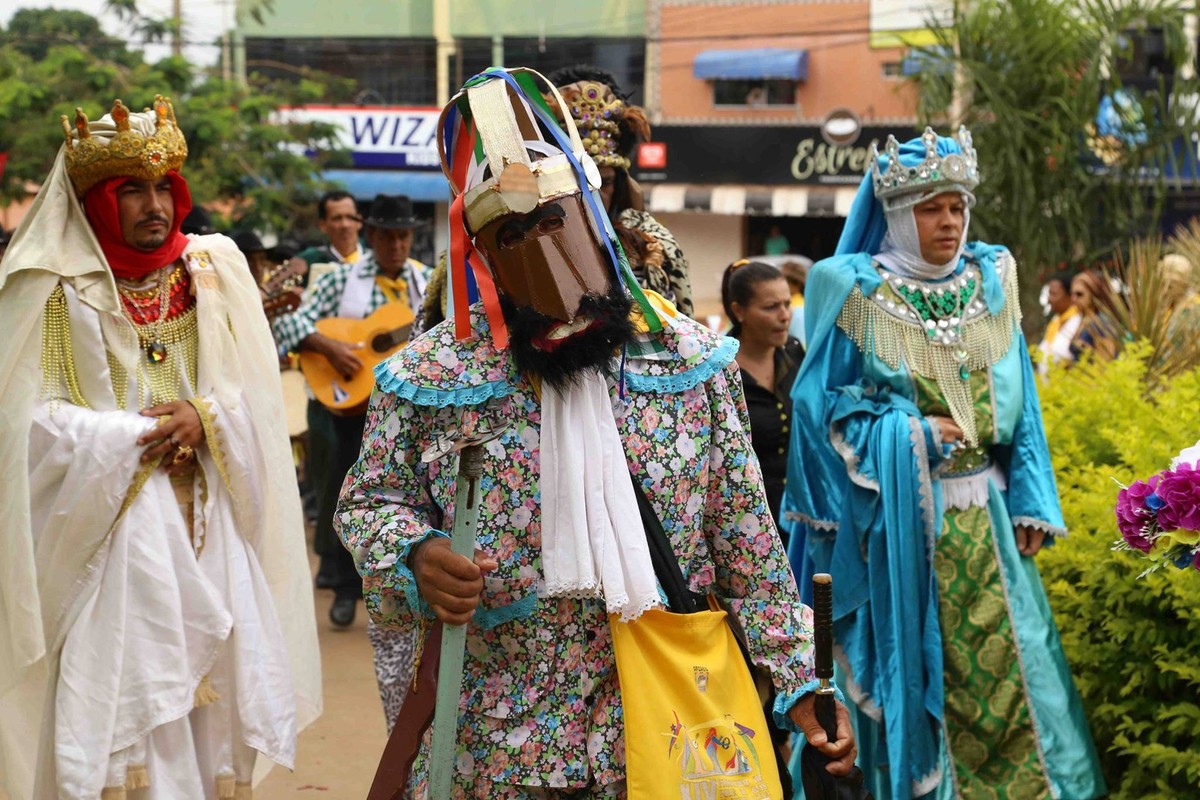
[1179,490]
[1196,560]
[1133,513]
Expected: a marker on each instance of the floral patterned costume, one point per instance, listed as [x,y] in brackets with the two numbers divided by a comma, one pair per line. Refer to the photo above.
[541,706]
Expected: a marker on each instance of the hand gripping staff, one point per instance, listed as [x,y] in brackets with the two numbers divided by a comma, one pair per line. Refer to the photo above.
[819,784]
[443,750]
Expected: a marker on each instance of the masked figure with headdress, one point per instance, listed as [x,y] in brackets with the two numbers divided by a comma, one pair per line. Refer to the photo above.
[591,384]
[920,478]
[152,538]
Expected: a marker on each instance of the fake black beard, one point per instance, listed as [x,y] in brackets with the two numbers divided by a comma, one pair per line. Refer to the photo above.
[589,349]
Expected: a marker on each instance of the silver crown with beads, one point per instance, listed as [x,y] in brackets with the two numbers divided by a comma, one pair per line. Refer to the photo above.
[952,170]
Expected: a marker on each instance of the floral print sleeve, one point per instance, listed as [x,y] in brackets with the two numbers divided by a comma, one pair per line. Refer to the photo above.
[385,510]
[752,574]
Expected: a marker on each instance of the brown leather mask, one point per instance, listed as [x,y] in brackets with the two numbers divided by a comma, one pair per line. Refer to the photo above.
[547,259]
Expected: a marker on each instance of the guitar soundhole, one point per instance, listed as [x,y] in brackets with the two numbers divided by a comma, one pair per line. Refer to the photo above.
[386,341]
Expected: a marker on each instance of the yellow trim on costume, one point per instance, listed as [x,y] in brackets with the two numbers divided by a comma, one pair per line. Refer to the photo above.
[208,421]
[58,356]
[205,694]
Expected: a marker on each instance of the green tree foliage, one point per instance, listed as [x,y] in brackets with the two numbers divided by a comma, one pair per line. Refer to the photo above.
[256,169]
[1032,75]
[1131,642]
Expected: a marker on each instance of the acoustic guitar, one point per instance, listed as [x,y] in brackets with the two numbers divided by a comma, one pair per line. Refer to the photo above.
[376,337]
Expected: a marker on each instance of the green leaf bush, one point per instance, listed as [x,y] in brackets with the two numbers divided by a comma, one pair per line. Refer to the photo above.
[1133,644]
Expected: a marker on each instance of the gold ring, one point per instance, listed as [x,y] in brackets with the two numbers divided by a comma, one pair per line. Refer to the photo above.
[184,453]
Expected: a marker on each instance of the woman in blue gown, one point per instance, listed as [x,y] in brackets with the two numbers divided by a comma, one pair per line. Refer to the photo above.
[919,477]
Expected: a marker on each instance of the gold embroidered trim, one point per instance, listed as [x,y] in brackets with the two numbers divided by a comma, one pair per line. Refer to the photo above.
[58,356]
[226,787]
[135,488]
[137,777]
[208,420]
[205,694]
[244,791]
[113,793]
[986,338]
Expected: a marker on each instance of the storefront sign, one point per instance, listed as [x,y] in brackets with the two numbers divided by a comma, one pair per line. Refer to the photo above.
[766,155]
[404,138]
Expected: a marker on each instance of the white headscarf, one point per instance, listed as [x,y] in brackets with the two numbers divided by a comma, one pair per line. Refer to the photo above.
[901,248]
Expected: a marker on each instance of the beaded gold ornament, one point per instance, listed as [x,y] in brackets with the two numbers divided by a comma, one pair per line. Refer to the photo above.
[59,375]
[128,153]
[945,348]
[171,345]
[601,116]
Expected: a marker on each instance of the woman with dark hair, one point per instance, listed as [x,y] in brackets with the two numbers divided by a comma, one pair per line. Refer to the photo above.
[758,302]
[1097,332]
[611,128]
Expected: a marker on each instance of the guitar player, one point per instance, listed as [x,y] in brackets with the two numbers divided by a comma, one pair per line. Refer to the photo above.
[351,291]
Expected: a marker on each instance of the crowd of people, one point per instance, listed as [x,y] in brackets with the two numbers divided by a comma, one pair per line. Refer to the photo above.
[157,631]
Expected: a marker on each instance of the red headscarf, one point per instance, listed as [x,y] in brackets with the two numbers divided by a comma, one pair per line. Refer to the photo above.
[125,260]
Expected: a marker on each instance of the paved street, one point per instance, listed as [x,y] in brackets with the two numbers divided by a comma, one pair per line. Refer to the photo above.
[338,753]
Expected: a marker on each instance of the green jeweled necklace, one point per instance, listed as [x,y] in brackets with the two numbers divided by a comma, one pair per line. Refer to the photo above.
[941,310]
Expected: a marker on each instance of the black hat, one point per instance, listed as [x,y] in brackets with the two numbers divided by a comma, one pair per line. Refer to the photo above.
[392,211]
[285,249]
[248,242]
[197,221]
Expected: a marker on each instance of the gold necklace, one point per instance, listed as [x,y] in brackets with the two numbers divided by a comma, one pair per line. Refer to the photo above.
[156,351]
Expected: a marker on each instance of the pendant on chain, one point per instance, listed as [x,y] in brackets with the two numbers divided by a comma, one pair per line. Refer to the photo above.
[156,352]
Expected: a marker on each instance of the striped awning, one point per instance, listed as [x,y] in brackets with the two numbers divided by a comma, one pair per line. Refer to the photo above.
[772,201]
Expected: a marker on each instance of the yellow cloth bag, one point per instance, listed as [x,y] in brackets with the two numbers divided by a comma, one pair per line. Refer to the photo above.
[694,725]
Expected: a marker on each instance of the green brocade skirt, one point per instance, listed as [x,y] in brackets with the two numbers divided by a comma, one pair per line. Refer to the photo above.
[1013,724]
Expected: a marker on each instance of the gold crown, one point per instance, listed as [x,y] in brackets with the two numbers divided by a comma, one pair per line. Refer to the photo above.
[604,120]
[129,153]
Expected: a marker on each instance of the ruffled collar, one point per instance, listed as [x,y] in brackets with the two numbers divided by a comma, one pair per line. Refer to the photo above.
[438,370]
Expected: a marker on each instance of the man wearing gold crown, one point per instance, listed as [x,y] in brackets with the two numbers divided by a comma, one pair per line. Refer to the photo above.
[919,476]
[590,385]
[156,623]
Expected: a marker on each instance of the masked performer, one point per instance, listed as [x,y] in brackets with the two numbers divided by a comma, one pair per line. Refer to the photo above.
[541,352]
[152,534]
[921,477]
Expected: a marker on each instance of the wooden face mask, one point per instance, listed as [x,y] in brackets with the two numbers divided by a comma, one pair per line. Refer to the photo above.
[547,259]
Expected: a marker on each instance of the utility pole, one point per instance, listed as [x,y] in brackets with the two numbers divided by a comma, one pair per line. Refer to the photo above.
[177,33]
[445,48]
[962,93]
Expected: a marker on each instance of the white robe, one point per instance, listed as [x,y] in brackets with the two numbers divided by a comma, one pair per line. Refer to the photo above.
[133,619]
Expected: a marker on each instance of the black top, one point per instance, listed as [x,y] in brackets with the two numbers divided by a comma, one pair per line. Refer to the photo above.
[771,421]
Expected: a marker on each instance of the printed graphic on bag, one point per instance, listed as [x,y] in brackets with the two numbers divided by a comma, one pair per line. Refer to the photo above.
[701,675]
[717,759]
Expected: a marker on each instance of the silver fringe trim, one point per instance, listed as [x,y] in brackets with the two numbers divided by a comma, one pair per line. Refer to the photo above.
[985,339]
[815,524]
[916,435]
[1041,525]
[1012,624]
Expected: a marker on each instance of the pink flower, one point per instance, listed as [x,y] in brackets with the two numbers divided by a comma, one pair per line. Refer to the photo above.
[1133,515]
[1180,493]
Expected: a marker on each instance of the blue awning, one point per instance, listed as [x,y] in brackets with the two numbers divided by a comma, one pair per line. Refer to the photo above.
[763,63]
[427,187]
